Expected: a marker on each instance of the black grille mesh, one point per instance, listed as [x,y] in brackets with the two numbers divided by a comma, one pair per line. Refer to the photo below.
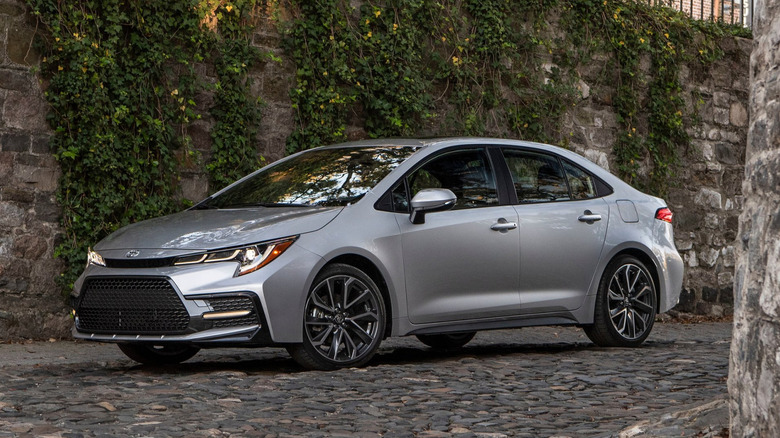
[229,304]
[131,305]
[140,263]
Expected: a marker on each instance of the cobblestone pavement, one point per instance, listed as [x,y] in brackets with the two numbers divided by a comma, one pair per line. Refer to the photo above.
[547,381]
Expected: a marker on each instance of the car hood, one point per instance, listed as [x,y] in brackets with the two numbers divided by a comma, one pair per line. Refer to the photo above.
[212,229]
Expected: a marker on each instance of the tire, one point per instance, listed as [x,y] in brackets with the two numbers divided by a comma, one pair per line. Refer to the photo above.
[344,320]
[150,354]
[447,341]
[625,305]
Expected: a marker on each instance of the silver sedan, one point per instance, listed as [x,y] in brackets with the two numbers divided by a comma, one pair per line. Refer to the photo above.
[329,251]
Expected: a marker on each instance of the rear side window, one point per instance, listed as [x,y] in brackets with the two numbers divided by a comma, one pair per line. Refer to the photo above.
[536,177]
[581,183]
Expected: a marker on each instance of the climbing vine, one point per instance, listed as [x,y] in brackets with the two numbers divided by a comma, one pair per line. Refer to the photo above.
[122,83]
[124,75]
[236,112]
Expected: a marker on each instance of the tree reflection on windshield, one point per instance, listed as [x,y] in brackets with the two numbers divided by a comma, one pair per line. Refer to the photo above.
[324,177]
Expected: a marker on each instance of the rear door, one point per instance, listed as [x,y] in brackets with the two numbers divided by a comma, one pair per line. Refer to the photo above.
[562,226]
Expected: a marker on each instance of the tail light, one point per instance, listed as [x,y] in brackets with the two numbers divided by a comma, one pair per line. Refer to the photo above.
[664,214]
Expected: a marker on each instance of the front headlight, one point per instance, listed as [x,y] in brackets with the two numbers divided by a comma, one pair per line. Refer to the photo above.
[250,258]
[94,258]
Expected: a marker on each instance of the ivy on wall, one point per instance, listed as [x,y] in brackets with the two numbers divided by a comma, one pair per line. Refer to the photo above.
[476,67]
[121,85]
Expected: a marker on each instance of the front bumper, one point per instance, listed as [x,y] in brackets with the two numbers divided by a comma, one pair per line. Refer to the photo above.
[200,299]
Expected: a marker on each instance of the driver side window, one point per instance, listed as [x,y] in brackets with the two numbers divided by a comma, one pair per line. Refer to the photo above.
[467,173]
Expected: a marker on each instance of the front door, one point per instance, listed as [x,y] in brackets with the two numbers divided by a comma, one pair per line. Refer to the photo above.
[462,263]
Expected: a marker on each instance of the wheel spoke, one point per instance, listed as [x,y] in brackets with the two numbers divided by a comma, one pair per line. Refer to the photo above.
[335,343]
[614,296]
[365,316]
[366,293]
[331,285]
[346,286]
[639,319]
[358,330]
[317,321]
[642,306]
[349,345]
[317,302]
[321,337]
[636,278]
[631,323]
[621,316]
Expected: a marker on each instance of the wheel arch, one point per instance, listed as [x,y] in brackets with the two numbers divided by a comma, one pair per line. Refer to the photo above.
[649,263]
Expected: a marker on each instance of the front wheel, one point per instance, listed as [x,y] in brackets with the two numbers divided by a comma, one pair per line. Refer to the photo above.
[149,354]
[344,320]
[625,305]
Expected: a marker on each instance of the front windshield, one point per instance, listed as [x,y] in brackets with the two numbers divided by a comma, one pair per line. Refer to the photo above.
[322,177]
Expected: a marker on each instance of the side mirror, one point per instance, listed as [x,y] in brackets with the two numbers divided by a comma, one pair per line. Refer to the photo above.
[429,201]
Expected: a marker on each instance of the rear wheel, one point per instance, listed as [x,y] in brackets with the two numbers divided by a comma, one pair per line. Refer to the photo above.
[625,305]
[344,320]
[447,340]
[150,354]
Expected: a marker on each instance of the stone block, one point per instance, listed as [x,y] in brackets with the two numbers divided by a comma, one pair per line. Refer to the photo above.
[41,178]
[10,215]
[721,99]
[709,198]
[20,48]
[690,259]
[726,295]
[721,116]
[11,9]
[15,80]
[687,300]
[29,247]
[46,208]
[41,145]
[195,187]
[21,195]
[709,257]
[25,112]
[738,115]
[15,142]
[726,153]
[711,220]
[709,294]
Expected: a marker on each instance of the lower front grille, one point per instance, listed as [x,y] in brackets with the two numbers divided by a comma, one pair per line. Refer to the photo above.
[131,305]
[232,303]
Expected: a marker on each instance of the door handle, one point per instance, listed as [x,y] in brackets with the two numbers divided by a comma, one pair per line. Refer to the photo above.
[503,226]
[589,217]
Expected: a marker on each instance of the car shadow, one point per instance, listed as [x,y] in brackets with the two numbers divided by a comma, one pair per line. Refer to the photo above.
[279,362]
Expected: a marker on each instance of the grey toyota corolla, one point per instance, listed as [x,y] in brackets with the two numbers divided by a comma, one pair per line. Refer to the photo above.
[329,251]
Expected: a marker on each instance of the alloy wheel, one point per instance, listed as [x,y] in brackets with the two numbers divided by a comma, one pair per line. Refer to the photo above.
[631,301]
[342,319]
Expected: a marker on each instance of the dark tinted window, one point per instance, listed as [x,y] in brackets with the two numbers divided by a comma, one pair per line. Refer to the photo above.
[467,173]
[536,177]
[581,183]
[324,177]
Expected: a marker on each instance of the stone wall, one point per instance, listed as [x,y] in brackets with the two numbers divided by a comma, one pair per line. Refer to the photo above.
[30,302]
[754,376]
[706,202]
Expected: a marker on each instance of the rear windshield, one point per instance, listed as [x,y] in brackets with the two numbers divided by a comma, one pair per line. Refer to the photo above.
[321,177]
